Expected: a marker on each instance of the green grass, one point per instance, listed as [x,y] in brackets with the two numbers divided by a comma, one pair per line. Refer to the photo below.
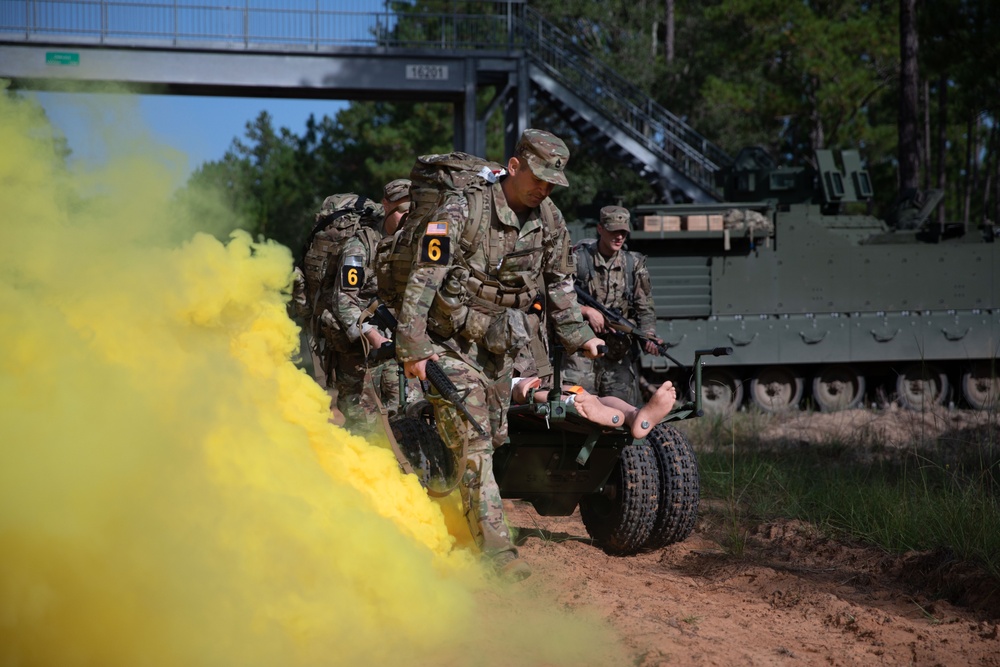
[942,493]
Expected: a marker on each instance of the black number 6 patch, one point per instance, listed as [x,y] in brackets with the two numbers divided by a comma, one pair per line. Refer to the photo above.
[435,250]
[352,276]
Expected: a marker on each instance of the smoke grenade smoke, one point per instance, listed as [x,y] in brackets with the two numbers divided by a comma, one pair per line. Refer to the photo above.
[171,491]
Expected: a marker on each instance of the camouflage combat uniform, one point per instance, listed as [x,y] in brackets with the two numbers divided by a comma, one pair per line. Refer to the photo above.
[346,289]
[511,261]
[616,373]
[387,374]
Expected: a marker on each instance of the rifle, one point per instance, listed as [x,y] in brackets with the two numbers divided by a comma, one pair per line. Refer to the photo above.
[435,374]
[619,323]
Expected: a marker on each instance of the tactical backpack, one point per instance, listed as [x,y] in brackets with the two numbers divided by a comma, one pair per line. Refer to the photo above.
[340,217]
[433,178]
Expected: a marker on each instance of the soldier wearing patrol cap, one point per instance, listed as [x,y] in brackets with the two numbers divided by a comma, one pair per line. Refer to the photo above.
[348,285]
[396,202]
[617,278]
[468,306]
[384,376]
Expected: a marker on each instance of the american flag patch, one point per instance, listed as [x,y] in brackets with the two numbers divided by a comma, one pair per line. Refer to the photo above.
[437,228]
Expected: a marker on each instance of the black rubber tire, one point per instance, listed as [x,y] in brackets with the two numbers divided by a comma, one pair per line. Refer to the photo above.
[621,517]
[431,460]
[421,410]
[680,487]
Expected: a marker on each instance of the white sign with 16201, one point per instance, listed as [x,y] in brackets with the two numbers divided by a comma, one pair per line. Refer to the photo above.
[427,72]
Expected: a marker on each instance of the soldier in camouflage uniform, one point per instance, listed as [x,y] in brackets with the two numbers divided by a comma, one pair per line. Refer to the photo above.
[396,203]
[617,278]
[346,291]
[386,374]
[521,253]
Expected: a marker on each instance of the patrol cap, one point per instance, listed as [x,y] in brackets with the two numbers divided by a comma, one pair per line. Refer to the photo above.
[397,189]
[545,153]
[615,218]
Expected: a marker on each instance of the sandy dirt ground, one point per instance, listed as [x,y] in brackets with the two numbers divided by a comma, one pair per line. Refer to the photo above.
[794,597]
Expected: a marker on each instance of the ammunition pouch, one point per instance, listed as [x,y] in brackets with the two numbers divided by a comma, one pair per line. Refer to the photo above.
[476,325]
[497,317]
[508,332]
[492,293]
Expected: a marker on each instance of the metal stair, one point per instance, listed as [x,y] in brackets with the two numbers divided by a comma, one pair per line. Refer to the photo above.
[603,107]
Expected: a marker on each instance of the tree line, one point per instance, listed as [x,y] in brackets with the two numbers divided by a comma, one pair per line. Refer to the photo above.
[914,85]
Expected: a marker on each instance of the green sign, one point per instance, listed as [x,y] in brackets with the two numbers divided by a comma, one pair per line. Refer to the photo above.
[62,58]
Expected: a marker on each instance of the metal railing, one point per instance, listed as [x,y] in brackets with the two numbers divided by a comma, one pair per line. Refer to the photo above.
[295,24]
[646,121]
[319,25]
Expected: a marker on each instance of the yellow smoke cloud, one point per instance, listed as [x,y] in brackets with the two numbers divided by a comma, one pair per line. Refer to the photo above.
[171,492]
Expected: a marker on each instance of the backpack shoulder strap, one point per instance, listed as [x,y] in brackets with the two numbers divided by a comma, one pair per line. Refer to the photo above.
[370,237]
[475,226]
[630,263]
[584,262]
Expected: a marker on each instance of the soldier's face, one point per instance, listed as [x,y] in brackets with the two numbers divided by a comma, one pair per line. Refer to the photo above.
[522,188]
[393,214]
[608,243]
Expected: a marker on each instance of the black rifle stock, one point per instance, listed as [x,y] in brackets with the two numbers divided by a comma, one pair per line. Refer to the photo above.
[435,374]
[620,324]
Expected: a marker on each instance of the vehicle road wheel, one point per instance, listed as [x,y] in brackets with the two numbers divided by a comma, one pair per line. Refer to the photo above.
[776,389]
[838,387]
[921,386]
[621,517]
[721,391]
[981,386]
[431,460]
[680,491]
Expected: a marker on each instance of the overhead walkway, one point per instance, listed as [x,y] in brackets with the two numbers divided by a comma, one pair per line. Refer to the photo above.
[302,50]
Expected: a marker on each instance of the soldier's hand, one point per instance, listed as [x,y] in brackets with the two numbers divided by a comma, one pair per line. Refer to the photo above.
[418,369]
[649,345]
[590,348]
[375,338]
[594,317]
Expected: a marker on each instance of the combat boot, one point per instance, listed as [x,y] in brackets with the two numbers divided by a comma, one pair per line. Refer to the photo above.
[511,568]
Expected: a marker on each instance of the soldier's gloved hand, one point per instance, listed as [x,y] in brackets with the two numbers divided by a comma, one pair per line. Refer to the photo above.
[590,348]
[418,369]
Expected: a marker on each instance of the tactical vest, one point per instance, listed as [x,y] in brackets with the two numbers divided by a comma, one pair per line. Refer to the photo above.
[585,268]
[433,179]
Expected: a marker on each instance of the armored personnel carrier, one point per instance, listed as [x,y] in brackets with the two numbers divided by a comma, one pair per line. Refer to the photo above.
[823,307]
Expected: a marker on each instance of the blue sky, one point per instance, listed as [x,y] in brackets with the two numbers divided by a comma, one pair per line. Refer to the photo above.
[202,128]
